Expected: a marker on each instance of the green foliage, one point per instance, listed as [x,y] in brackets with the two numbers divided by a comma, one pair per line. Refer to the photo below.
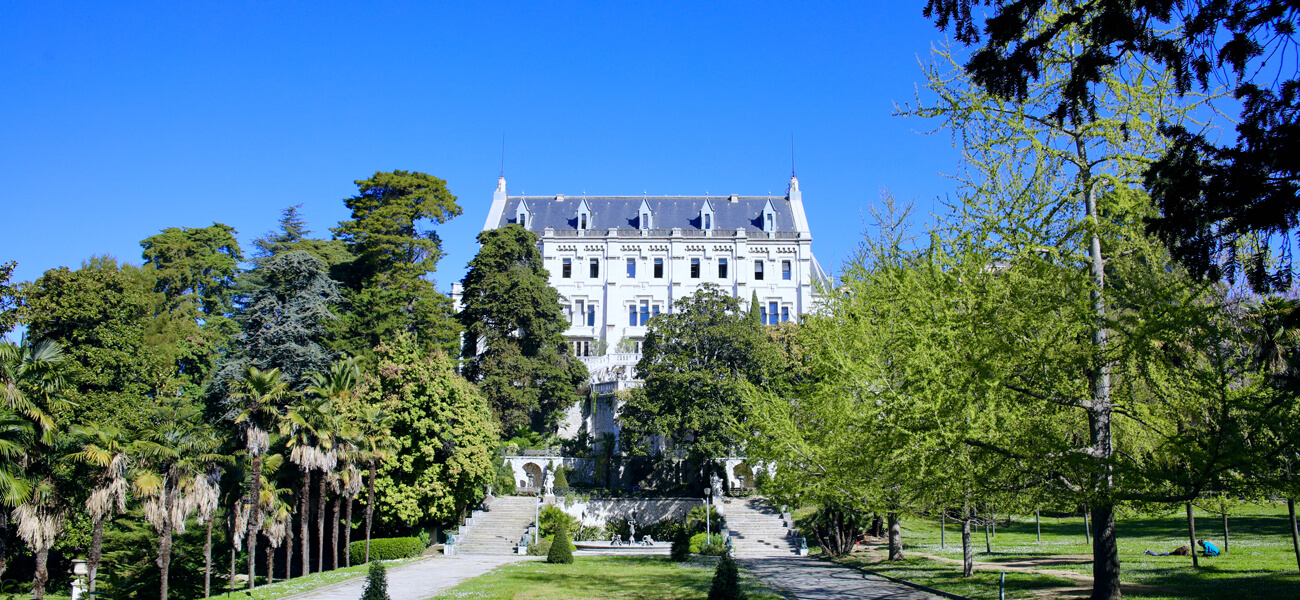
[386,549]
[443,433]
[514,346]
[707,545]
[694,363]
[681,550]
[387,286]
[837,528]
[130,570]
[561,550]
[292,236]
[540,547]
[561,478]
[504,483]
[552,518]
[726,581]
[196,266]
[696,521]
[376,582]
[101,314]
[10,299]
[285,320]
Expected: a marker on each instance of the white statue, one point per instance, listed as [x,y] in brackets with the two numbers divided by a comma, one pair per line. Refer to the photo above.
[548,477]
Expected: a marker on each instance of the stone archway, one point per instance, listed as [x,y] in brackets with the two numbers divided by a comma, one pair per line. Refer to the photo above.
[743,475]
[534,475]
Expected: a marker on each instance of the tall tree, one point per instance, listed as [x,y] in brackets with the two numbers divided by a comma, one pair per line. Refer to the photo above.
[444,437]
[254,408]
[179,453]
[374,435]
[694,361]
[337,387]
[1213,197]
[311,425]
[30,383]
[514,345]
[388,289]
[102,314]
[106,450]
[10,299]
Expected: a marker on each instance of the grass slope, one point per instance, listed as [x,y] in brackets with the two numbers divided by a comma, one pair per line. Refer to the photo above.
[298,585]
[604,578]
[1259,565]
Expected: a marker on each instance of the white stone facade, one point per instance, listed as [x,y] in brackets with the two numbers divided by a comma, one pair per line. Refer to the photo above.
[618,261]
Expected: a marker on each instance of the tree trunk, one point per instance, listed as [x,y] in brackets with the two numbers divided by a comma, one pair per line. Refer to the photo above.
[207,562]
[230,583]
[321,501]
[347,536]
[369,513]
[895,537]
[1225,533]
[4,534]
[1087,529]
[304,521]
[270,563]
[1295,532]
[94,555]
[288,549]
[334,563]
[967,548]
[1105,553]
[988,543]
[1038,524]
[993,522]
[1191,535]
[254,518]
[943,521]
[164,559]
[42,574]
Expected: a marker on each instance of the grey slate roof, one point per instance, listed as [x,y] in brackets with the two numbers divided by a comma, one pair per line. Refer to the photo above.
[621,212]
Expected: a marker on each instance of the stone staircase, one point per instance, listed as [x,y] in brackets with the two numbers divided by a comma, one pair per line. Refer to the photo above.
[496,530]
[757,529]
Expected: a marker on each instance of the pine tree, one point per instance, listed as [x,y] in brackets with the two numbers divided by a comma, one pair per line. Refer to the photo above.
[376,582]
[726,581]
[681,550]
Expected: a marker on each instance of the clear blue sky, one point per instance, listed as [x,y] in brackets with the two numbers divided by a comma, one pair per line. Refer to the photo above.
[118,119]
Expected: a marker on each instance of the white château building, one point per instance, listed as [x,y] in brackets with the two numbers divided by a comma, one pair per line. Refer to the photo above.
[618,261]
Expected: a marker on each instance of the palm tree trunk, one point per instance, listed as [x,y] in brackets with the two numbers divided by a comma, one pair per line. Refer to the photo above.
[254,518]
[304,515]
[4,534]
[347,536]
[96,552]
[42,573]
[288,549]
[320,523]
[230,584]
[335,564]
[270,563]
[207,563]
[164,558]
[369,513]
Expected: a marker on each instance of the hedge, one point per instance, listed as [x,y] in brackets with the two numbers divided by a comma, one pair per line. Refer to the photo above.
[718,548]
[386,549]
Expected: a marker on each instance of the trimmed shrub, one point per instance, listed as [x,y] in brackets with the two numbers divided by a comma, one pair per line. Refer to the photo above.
[716,548]
[726,581]
[550,519]
[561,551]
[681,547]
[561,478]
[540,547]
[386,549]
[696,521]
[376,579]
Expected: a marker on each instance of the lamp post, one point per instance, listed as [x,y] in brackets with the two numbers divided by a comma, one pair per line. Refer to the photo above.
[708,508]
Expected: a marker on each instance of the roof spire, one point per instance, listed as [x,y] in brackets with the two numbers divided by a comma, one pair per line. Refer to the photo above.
[791,154]
[503,155]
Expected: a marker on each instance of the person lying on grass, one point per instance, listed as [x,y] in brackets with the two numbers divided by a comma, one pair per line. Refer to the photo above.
[1179,551]
[1208,548]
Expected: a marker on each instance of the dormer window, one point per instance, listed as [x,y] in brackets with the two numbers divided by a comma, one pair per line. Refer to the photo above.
[769,217]
[706,216]
[523,219]
[644,211]
[584,216]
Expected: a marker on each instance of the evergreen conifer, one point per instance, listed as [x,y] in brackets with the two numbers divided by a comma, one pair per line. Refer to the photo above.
[377,583]
[561,548]
[726,580]
[681,550]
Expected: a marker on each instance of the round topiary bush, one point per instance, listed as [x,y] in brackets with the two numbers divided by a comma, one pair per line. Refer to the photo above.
[561,548]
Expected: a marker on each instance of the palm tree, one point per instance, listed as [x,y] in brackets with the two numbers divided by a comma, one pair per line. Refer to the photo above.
[277,514]
[29,382]
[178,455]
[256,406]
[337,386]
[105,449]
[309,424]
[345,483]
[40,522]
[376,445]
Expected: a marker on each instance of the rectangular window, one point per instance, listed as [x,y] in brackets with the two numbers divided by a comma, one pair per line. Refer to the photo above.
[586,348]
[659,268]
[708,221]
[785,314]
[771,313]
[631,314]
[769,223]
[785,270]
[762,314]
[567,270]
[695,268]
[631,268]
[595,268]
[654,311]
[582,221]
[758,270]
[722,268]
[645,311]
[591,315]
[580,311]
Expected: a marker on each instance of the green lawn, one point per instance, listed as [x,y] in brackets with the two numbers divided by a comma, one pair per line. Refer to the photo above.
[604,578]
[1260,562]
[299,585]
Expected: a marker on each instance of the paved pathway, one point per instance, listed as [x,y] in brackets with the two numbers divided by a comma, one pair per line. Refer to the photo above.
[809,579]
[418,580]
